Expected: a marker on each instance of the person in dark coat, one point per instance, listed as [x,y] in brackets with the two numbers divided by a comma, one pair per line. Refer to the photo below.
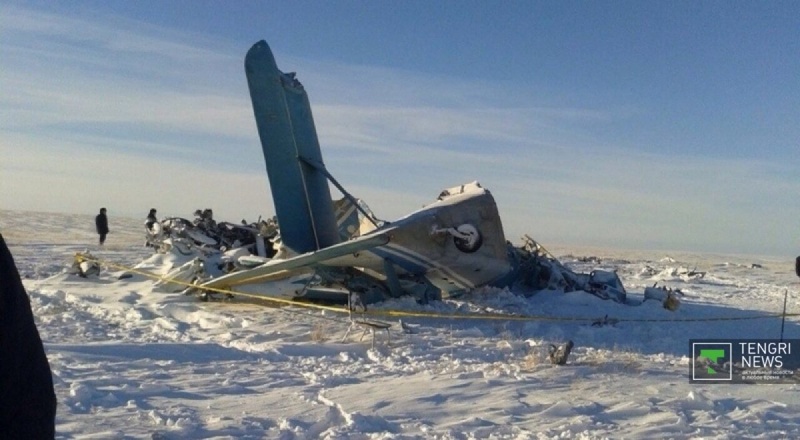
[151,219]
[27,396]
[797,266]
[101,222]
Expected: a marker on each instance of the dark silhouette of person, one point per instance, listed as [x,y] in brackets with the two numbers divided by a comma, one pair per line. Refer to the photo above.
[151,220]
[797,266]
[27,396]
[101,222]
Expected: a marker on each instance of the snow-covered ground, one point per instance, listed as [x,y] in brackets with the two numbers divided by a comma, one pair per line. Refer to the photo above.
[131,362]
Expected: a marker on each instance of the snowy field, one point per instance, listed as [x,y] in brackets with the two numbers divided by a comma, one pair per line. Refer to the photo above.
[131,362]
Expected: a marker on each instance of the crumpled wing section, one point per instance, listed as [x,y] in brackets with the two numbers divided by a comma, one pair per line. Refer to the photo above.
[280,268]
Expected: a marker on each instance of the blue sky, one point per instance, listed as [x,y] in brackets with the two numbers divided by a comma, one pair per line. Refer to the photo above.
[643,125]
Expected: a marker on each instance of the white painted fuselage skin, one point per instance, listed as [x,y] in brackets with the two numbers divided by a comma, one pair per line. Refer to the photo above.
[417,244]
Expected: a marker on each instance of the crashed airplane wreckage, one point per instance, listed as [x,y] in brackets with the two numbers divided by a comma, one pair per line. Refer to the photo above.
[331,250]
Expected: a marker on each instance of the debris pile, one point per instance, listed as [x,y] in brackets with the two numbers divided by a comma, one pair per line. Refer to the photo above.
[207,236]
[84,264]
[541,270]
[668,297]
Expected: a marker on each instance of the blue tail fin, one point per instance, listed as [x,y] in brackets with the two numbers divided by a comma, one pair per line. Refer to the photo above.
[289,141]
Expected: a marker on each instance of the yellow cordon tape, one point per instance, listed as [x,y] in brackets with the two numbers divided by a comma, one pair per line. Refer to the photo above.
[211,289]
[407,314]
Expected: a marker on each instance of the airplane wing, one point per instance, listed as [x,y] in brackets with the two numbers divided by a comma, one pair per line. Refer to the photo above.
[281,268]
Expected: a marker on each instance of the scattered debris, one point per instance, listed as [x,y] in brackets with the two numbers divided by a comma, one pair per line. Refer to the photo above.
[540,270]
[408,329]
[671,303]
[559,355]
[668,297]
[694,273]
[678,272]
[605,321]
[606,285]
[84,265]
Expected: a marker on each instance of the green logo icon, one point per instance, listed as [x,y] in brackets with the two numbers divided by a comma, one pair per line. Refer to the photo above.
[712,355]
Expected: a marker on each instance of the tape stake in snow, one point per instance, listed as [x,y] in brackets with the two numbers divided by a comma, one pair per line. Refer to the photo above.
[783,315]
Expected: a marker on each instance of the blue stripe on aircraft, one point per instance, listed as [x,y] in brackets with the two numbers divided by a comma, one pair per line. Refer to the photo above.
[418,264]
[406,264]
[432,264]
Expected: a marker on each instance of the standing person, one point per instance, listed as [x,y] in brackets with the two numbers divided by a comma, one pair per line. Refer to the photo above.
[151,220]
[152,230]
[797,266]
[101,222]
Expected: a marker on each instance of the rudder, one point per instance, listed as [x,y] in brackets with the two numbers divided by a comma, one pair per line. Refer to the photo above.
[289,141]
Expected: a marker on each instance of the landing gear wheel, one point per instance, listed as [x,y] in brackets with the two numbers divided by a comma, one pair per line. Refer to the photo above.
[472,241]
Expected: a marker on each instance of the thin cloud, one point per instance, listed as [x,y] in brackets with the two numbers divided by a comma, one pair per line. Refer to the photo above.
[92,37]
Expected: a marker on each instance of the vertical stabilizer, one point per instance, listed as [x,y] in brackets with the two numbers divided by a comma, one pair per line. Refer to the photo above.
[289,141]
